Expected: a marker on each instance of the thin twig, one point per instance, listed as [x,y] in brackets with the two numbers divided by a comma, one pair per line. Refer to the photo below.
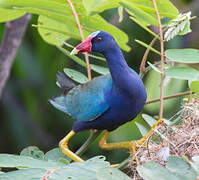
[162,59]
[82,36]
[170,96]
[142,65]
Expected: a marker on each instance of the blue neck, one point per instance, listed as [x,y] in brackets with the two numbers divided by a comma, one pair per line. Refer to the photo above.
[116,63]
[124,78]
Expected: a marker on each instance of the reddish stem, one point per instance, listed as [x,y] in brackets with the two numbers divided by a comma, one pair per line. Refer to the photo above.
[82,36]
[170,96]
[162,60]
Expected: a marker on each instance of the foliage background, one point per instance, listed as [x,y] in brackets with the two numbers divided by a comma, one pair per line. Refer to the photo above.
[26,117]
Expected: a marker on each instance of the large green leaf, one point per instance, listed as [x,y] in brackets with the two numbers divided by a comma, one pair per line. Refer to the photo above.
[8,15]
[140,14]
[26,174]
[54,32]
[7,160]
[143,10]
[180,168]
[183,55]
[46,5]
[176,169]
[111,174]
[96,22]
[77,171]
[100,5]
[153,171]
[165,7]
[59,21]
[185,73]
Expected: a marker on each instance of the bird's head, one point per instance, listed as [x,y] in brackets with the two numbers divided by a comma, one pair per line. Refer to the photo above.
[99,41]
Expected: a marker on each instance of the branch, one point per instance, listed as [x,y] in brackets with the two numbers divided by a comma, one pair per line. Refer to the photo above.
[170,96]
[143,63]
[162,59]
[82,36]
[14,31]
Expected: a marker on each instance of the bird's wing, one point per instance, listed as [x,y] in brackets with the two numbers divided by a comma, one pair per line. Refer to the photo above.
[86,102]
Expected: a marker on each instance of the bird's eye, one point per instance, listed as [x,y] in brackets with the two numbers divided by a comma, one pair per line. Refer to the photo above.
[99,39]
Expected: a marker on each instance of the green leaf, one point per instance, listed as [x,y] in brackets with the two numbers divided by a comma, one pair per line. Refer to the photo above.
[99,69]
[56,155]
[111,174]
[96,68]
[60,15]
[144,12]
[41,5]
[165,7]
[76,171]
[33,152]
[180,168]
[26,174]
[143,129]
[185,73]
[96,22]
[194,86]
[147,46]
[183,55]
[140,15]
[75,75]
[153,171]
[52,31]
[99,5]
[8,15]
[176,169]
[150,120]
[7,160]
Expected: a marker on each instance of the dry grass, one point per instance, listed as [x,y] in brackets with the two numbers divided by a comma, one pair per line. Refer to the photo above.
[180,137]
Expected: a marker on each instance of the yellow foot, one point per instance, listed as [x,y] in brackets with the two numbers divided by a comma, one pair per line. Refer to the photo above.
[63,145]
[114,165]
[131,145]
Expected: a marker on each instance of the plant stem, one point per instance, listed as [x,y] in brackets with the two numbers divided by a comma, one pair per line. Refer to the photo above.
[162,59]
[142,65]
[91,138]
[170,96]
[82,36]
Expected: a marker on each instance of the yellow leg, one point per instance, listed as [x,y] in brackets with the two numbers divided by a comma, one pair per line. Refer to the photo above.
[143,140]
[131,145]
[63,145]
[109,146]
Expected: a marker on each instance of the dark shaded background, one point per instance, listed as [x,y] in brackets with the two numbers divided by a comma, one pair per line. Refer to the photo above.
[26,117]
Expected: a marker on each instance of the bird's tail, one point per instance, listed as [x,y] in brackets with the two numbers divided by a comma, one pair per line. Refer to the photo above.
[66,84]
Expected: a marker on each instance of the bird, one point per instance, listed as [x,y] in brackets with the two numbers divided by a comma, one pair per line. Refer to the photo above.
[105,102]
